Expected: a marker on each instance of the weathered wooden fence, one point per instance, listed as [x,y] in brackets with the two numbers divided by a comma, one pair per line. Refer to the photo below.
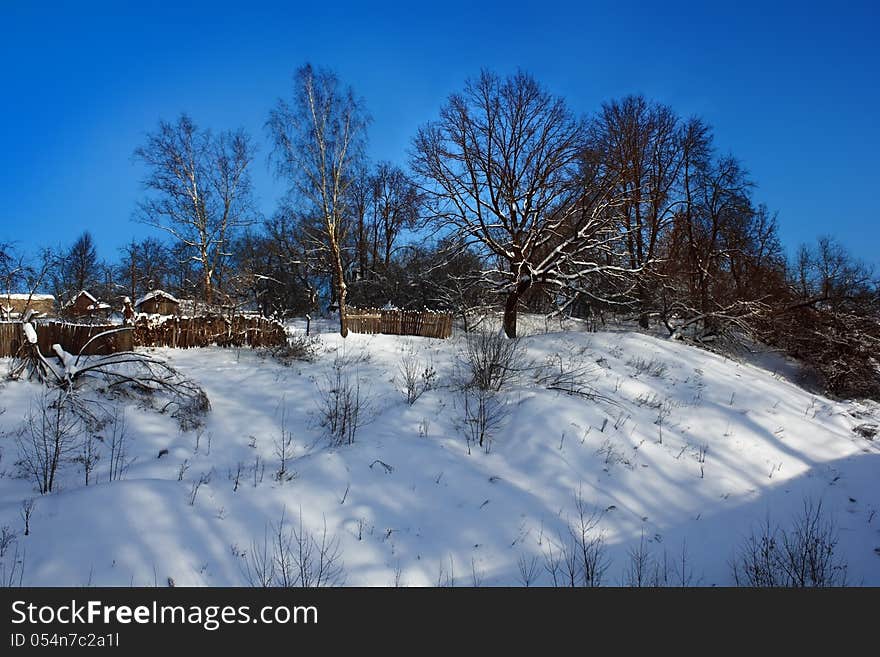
[187,332]
[240,331]
[399,322]
[10,338]
[73,338]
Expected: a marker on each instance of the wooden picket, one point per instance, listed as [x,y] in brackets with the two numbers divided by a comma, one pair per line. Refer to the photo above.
[185,333]
[73,338]
[399,322]
[189,332]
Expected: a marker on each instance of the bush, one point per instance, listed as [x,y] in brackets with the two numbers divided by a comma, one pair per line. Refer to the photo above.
[838,349]
[342,407]
[570,375]
[301,348]
[51,435]
[292,556]
[483,413]
[492,360]
[652,367]
[580,558]
[417,377]
[803,556]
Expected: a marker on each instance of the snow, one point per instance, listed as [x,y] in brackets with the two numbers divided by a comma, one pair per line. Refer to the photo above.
[25,297]
[67,360]
[30,332]
[153,294]
[768,445]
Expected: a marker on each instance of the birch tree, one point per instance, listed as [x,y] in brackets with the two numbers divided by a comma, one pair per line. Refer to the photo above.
[318,136]
[200,191]
[503,169]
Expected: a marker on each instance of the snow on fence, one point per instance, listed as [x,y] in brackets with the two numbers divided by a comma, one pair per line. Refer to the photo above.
[173,332]
[187,332]
[72,337]
[426,324]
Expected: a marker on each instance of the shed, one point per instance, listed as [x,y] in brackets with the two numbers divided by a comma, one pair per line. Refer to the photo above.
[84,304]
[14,305]
[157,302]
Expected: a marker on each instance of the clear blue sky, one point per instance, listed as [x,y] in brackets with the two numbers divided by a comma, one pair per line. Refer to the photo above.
[793,90]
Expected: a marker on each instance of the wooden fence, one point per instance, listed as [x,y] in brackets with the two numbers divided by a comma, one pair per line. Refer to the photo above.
[73,338]
[184,333]
[173,332]
[399,322]
[10,338]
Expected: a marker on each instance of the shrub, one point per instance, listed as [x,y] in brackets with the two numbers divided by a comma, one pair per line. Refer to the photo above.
[492,360]
[303,348]
[417,377]
[342,407]
[652,367]
[803,556]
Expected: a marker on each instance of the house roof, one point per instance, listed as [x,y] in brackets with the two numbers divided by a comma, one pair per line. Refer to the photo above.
[156,294]
[23,296]
[78,295]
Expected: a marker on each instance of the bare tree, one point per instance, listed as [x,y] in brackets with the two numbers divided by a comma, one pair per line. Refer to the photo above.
[828,319]
[342,406]
[385,201]
[89,455]
[78,267]
[318,136]
[292,556]
[144,266]
[26,512]
[396,204]
[50,436]
[201,190]
[805,555]
[118,439]
[284,449]
[503,169]
[17,272]
[640,144]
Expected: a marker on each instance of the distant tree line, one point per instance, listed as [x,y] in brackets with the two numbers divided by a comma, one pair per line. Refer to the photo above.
[509,201]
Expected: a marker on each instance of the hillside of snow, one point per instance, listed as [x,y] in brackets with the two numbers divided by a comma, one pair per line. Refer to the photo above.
[674,449]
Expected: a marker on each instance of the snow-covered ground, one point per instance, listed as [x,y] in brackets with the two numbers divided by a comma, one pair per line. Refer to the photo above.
[688,457]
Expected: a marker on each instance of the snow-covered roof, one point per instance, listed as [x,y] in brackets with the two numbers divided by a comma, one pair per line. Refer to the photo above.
[98,306]
[78,295]
[153,294]
[17,296]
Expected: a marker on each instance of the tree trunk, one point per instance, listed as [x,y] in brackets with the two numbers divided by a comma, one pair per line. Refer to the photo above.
[206,276]
[510,314]
[343,327]
[510,305]
[362,246]
[341,290]
[644,307]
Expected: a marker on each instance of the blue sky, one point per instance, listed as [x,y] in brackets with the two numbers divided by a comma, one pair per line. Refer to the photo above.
[791,89]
